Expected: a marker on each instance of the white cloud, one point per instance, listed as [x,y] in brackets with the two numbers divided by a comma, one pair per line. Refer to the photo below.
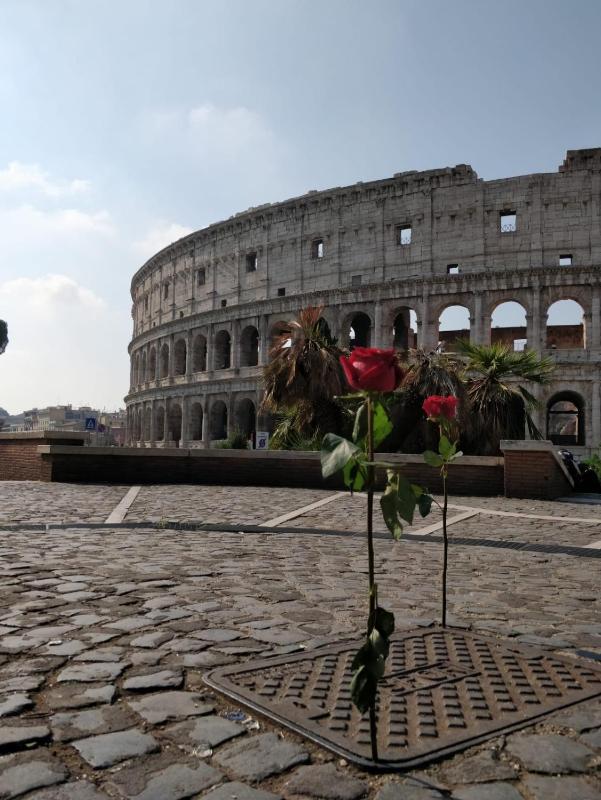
[19,177]
[66,345]
[162,234]
[31,222]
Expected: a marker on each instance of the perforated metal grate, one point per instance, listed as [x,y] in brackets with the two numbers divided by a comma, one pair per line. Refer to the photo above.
[444,690]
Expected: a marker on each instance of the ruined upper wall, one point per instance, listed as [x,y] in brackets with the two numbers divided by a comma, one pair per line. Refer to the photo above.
[455,219]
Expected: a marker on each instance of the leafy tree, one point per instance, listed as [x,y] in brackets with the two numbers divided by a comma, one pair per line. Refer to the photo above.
[3,336]
[502,405]
[304,374]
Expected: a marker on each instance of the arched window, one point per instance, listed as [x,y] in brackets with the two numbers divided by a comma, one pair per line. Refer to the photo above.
[453,324]
[199,353]
[404,329]
[152,364]
[139,424]
[222,350]
[159,423]
[196,422]
[565,325]
[137,369]
[246,417]
[359,330]
[147,418]
[218,420]
[249,347]
[179,352]
[175,423]
[164,361]
[565,419]
[144,375]
[508,325]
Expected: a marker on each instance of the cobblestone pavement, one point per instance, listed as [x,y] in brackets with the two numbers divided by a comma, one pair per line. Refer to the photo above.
[105,635]
[28,501]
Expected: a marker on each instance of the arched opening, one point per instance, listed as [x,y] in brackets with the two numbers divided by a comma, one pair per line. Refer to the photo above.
[223,349]
[404,330]
[159,423]
[147,418]
[565,325]
[196,422]
[152,364]
[144,376]
[137,369]
[179,354]
[164,361]
[218,420]
[276,330]
[246,417]
[508,325]
[249,347]
[453,324]
[139,424]
[565,419]
[324,328]
[199,353]
[175,423]
[359,331]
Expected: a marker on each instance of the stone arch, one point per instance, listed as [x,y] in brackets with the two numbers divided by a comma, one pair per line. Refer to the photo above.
[324,327]
[356,330]
[249,347]
[218,420]
[164,361]
[195,424]
[508,324]
[199,353]
[454,323]
[179,357]
[223,350]
[404,328]
[565,419]
[246,417]
[144,375]
[152,363]
[159,423]
[175,422]
[565,325]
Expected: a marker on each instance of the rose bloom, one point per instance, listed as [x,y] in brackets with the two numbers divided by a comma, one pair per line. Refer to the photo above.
[372,370]
[438,406]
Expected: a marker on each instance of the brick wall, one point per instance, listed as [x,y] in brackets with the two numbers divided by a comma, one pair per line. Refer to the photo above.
[533,470]
[20,459]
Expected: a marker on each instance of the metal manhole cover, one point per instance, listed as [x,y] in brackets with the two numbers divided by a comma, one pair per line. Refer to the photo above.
[444,690]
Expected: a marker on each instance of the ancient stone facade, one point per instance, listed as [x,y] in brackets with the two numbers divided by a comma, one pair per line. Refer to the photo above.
[385,259]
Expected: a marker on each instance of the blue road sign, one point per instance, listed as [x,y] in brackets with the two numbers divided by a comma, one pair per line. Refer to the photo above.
[90,423]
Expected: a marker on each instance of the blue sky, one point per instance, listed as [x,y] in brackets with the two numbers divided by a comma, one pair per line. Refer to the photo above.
[126,124]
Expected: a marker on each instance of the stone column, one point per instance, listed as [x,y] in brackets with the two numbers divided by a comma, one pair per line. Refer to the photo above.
[184,432]
[424,333]
[263,341]
[593,333]
[596,414]
[533,323]
[188,355]
[377,336]
[235,345]
[205,424]
[211,348]
[166,424]
[152,422]
[230,414]
[157,363]
[171,356]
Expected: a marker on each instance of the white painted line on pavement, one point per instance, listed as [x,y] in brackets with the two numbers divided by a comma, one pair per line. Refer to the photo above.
[437,526]
[527,516]
[122,507]
[271,523]
[594,545]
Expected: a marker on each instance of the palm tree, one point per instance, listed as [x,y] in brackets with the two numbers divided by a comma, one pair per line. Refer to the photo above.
[304,374]
[502,404]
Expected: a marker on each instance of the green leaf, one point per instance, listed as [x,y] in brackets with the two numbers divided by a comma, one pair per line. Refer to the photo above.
[364,687]
[382,426]
[380,648]
[446,448]
[424,503]
[406,499]
[456,455]
[417,490]
[335,453]
[389,506]
[360,425]
[384,621]
[430,457]
[353,475]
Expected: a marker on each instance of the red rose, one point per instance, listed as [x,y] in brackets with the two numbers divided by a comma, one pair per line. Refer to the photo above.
[437,406]
[372,370]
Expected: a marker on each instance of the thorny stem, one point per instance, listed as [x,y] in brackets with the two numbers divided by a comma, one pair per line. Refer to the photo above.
[445,545]
[373,730]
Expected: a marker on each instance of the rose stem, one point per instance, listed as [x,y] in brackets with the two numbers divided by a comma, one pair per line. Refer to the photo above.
[373,730]
[445,550]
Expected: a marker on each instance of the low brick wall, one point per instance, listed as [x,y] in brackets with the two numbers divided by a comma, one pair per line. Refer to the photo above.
[534,470]
[20,458]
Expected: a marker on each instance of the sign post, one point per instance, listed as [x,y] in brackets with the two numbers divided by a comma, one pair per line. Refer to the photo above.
[262,440]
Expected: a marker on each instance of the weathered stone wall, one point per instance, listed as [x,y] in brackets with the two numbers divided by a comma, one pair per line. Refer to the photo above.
[206,307]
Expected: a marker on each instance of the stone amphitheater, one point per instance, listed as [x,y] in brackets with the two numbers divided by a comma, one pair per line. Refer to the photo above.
[419,259]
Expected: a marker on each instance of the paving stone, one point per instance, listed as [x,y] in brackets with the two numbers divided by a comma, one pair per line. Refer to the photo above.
[79,724]
[579,718]
[91,672]
[147,658]
[187,645]
[73,696]
[325,781]
[488,791]
[14,703]
[70,647]
[551,754]
[21,683]
[106,654]
[280,636]
[152,640]
[179,781]
[165,706]
[75,790]
[592,739]
[164,679]
[408,790]
[570,788]
[85,620]
[111,748]
[128,624]
[218,635]
[210,730]
[482,767]
[238,791]
[262,756]
[27,771]
[13,737]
